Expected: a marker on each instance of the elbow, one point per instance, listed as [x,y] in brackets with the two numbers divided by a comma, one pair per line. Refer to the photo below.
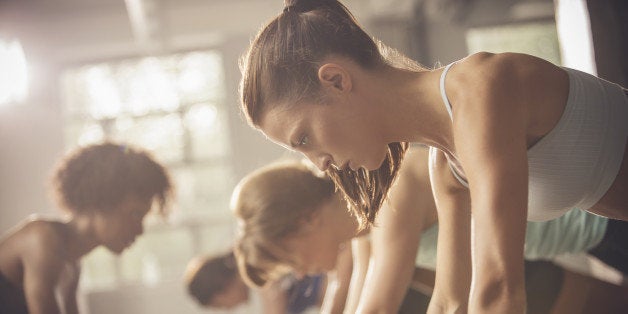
[381,308]
[378,311]
[439,306]
[498,296]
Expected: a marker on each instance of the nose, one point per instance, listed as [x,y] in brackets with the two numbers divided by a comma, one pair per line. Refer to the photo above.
[323,161]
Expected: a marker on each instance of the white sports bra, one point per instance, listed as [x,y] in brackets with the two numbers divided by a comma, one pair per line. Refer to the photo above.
[574,164]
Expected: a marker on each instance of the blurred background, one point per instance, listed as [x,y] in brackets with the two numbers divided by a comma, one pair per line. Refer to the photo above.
[163,74]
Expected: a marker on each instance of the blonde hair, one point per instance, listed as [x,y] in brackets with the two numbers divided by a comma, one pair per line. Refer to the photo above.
[271,203]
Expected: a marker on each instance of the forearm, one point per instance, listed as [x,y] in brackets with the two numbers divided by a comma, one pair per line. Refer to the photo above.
[385,288]
[496,298]
[454,270]
[498,264]
[335,296]
[361,255]
[40,296]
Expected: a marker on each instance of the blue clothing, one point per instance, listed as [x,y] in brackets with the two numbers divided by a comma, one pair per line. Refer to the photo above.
[575,164]
[304,293]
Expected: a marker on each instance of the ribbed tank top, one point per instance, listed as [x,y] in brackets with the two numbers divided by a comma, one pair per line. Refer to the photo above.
[577,161]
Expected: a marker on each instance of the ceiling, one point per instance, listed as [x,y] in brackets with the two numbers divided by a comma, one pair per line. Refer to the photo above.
[69,31]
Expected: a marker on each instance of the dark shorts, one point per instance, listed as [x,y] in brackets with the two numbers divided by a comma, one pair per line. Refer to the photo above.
[613,249]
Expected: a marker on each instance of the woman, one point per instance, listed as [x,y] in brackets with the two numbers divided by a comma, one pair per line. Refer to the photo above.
[214,282]
[291,219]
[106,190]
[530,139]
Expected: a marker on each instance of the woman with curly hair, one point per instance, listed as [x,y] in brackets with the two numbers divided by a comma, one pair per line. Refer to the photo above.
[106,190]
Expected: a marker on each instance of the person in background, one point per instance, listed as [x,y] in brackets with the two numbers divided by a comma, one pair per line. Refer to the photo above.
[293,220]
[214,282]
[105,191]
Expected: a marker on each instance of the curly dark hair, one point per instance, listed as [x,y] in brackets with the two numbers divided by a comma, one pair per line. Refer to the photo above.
[101,176]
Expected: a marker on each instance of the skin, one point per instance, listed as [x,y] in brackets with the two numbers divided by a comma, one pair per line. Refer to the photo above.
[273,298]
[410,208]
[324,239]
[502,105]
[43,256]
[234,294]
[321,238]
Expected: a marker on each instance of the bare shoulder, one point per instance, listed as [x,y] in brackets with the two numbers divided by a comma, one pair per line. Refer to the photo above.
[32,244]
[509,91]
[486,63]
[494,72]
[41,238]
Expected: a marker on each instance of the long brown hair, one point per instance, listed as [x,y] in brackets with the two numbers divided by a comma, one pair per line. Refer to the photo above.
[281,66]
[271,204]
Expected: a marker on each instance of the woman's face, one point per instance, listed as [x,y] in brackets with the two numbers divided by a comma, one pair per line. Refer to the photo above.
[118,228]
[316,245]
[337,133]
[234,294]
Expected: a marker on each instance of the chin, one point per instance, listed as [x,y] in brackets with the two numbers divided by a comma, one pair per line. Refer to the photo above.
[117,249]
[375,165]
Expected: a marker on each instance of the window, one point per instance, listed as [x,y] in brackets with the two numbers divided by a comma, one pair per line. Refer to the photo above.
[535,38]
[13,77]
[173,106]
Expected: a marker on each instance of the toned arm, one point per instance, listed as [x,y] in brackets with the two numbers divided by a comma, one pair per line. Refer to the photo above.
[453,255]
[491,141]
[338,284]
[396,235]
[361,255]
[43,263]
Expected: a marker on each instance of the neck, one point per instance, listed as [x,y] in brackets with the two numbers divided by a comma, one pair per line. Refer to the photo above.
[413,108]
[81,239]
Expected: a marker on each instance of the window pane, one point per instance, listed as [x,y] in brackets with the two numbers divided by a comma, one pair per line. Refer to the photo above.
[144,85]
[537,39]
[162,134]
[207,131]
[84,132]
[174,107]
[201,77]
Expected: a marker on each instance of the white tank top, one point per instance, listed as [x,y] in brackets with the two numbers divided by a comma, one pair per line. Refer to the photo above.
[574,164]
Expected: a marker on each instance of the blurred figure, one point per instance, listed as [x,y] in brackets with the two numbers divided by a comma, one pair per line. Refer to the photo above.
[106,190]
[293,219]
[214,282]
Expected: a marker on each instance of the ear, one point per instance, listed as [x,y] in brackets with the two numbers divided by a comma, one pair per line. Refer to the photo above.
[334,76]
